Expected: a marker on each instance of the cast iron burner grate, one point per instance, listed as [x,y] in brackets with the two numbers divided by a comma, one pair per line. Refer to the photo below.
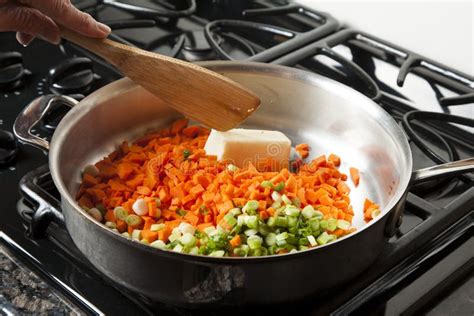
[253,30]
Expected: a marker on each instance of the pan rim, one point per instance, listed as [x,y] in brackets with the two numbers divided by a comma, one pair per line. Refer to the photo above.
[77,112]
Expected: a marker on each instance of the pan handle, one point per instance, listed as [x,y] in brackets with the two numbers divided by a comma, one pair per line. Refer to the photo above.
[33,113]
[444,170]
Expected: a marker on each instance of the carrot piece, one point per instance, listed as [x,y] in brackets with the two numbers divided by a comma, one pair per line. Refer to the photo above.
[343,188]
[149,236]
[367,203]
[190,131]
[164,233]
[334,159]
[143,190]
[319,161]
[89,180]
[178,126]
[196,190]
[355,176]
[148,221]
[202,226]
[124,170]
[85,201]
[192,218]
[235,241]
[121,226]
[110,216]
[264,215]
[326,200]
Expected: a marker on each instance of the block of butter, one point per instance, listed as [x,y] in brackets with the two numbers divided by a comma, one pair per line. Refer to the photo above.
[241,146]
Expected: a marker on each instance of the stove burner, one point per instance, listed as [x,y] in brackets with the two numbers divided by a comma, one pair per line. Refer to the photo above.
[8,148]
[148,12]
[73,76]
[12,72]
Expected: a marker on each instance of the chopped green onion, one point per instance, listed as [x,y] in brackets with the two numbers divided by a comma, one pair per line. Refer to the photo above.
[262,251]
[292,222]
[312,240]
[323,238]
[188,240]
[235,211]
[251,221]
[110,224]
[342,224]
[136,234]
[126,234]
[194,251]
[157,227]
[276,204]
[178,248]
[285,199]
[271,221]
[120,213]
[186,228]
[280,186]
[266,184]
[144,241]
[133,220]
[314,224]
[92,170]
[254,242]
[232,168]
[270,239]
[292,210]
[101,208]
[157,202]
[293,251]
[281,221]
[241,219]
[174,237]
[332,224]
[240,252]
[304,241]
[217,253]
[303,248]
[323,224]
[250,232]
[308,211]
[292,239]
[276,197]
[230,219]
[209,230]
[318,214]
[296,201]
[375,213]
[186,153]
[95,213]
[181,212]
[263,229]
[281,236]
[250,206]
[158,244]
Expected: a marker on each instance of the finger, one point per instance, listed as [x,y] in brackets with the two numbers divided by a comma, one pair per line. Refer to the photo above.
[24,39]
[28,20]
[63,12]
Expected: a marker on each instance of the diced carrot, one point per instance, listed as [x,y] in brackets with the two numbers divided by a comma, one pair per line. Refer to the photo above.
[355,176]
[178,126]
[334,159]
[192,218]
[235,241]
[149,236]
[264,215]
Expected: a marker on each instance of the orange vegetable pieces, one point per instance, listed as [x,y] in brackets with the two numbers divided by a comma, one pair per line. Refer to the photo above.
[354,172]
[334,159]
[178,126]
[303,150]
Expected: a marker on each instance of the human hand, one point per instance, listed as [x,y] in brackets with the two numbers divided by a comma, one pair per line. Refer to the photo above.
[32,18]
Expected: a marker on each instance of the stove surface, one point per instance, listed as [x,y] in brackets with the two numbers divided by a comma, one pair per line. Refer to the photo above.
[427,267]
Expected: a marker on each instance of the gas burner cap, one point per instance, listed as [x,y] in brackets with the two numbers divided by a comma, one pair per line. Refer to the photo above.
[12,72]
[8,148]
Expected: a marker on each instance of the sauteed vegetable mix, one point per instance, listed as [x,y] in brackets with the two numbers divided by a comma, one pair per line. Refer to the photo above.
[164,191]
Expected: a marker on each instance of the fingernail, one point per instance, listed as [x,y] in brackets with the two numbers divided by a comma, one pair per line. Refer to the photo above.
[104,28]
[24,39]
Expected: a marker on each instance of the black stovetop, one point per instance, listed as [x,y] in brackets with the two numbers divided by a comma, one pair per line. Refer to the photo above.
[426,267]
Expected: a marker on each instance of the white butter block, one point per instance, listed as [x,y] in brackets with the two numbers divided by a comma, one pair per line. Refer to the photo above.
[241,146]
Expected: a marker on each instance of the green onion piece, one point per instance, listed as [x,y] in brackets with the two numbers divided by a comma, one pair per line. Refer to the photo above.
[203,210]
[251,221]
[157,202]
[250,206]
[281,242]
[285,199]
[263,229]
[314,224]
[92,170]
[301,248]
[276,205]
[270,239]
[217,253]
[308,211]
[323,238]
[323,224]
[254,242]
[262,251]
[241,220]
[120,213]
[250,232]
[174,237]
[181,212]
[293,251]
[271,221]
[144,241]
[136,234]
[332,224]
[209,230]
[111,225]
[281,221]
[305,231]
[126,234]
[312,240]
[318,214]
[158,244]
[188,240]
[292,210]
[133,220]
[282,236]
[194,251]
[296,201]
[342,224]
[95,213]
[178,248]
[240,252]
[304,241]
[375,213]
[235,211]
[280,186]
[101,208]
[332,237]
[292,239]
[293,229]
[276,197]
[230,219]
[292,222]
[186,153]
[157,227]
[266,184]
[232,168]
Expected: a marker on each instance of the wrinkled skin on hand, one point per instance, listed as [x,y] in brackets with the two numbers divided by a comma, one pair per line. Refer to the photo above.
[40,18]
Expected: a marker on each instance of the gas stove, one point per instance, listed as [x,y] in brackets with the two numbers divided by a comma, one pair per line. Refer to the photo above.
[427,267]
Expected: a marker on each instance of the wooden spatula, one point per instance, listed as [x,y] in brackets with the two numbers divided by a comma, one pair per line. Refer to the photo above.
[198,93]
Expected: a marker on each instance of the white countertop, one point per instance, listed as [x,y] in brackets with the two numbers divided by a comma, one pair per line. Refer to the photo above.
[441,30]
